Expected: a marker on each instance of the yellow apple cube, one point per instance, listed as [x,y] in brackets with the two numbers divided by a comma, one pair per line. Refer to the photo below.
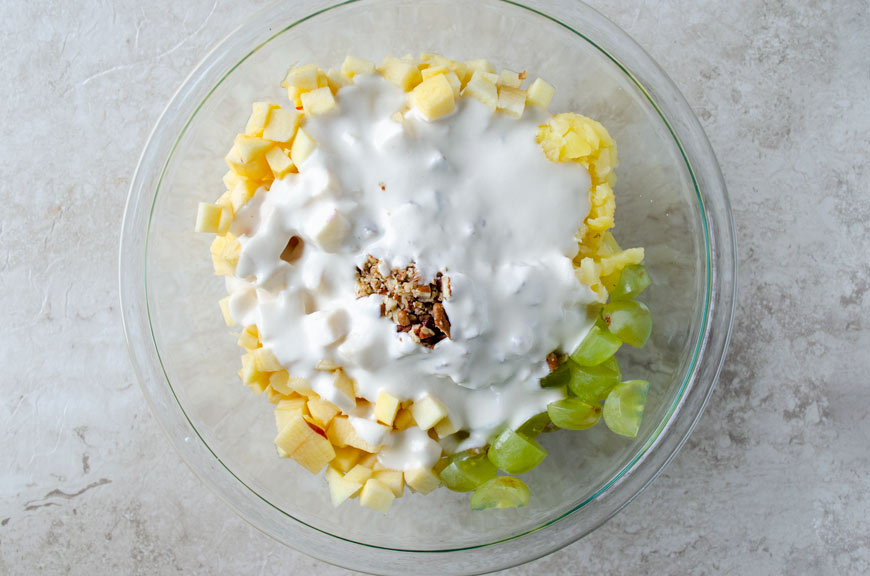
[273,396]
[282,125]
[434,97]
[509,78]
[402,73]
[482,64]
[256,169]
[226,218]
[482,89]
[386,408]
[393,479]
[344,384]
[259,117]
[376,495]
[322,410]
[340,489]
[540,93]
[358,474]
[445,428]
[336,80]
[242,193]
[342,433]
[295,433]
[302,78]
[224,303]
[427,412]
[265,361]
[251,147]
[346,457]
[404,419]
[314,454]
[225,199]
[208,217]
[511,101]
[225,252]
[422,480]
[353,66]
[249,339]
[231,179]
[318,101]
[279,161]
[280,381]
[303,146]
[369,460]
[286,410]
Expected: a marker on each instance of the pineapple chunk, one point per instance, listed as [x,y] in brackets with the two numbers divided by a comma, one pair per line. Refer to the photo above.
[280,381]
[402,73]
[279,162]
[353,66]
[404,419]
[302,78]
[251,147]
[509,78]
[427,412]
[224,303]
[540,93]
[318,101]
[282,125]
[314,454]
[386,408]
[242,193]
[208,218]
[445,428]
[358,474]
[433,70]
[377,496]
[259,117]
[341,433]
[339,488]
[393,479]
[226,218]
[434,97]
[322,410]
[265,361]
[303,146]
[346,458]
[249,339]
[511,101]
[482,89]
[422,480]
[481,64]
[295,433]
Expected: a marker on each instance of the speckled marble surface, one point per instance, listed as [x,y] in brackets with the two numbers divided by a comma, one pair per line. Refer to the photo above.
[774,480]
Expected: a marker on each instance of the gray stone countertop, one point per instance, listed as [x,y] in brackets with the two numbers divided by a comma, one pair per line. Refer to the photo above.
[775,478]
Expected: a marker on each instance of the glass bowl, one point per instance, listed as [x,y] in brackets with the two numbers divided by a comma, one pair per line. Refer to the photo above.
[671,199]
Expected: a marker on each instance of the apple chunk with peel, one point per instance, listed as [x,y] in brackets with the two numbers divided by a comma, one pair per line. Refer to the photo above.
[376,495]
[302,443]
[386,408]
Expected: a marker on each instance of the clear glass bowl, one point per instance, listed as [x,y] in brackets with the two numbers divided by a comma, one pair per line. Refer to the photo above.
[670,198]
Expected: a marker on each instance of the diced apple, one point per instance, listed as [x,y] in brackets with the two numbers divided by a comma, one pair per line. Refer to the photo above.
[256,169]
[540,93]
[279,161]
[226,219]
[404,419]
[242,193]
[511,101]
[273,396]
[509,78]
[344,384]
[259,117]
[224,303]
[225,199]
[208,217]
[422,480]
[445,428]
[346,457]
[251,147]
[249,339]
[433,70]
[482,89]
[434,97]
[318,101]
[303,146]
[353,66]
[225,252]
[402,73]
[336,80]
[295,433]
[282,125]
[314,454]
[376,495]
[303,77]
[341,433]
[249,372]
[265,361]
[393,479]
[340,489]
[322,410]
[368,460]
[287,409]
[231,179]
[481,64]
[358,474]
[386,408]
[427,412]
[280,381]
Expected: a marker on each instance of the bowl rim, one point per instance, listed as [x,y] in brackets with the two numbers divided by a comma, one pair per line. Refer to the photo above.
[661,85]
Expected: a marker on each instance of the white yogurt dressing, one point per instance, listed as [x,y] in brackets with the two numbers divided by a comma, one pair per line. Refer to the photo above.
[472,196]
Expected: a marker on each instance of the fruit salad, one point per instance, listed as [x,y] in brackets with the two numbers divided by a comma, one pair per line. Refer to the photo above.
[421,273]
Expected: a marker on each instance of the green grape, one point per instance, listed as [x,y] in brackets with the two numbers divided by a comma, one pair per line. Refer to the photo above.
[598,346]
[629,321]
[558,377]
[467,471]
[623,409]
[515,453]
[533,427]
[501,492]
[592,384]
[574,414]
[633,280]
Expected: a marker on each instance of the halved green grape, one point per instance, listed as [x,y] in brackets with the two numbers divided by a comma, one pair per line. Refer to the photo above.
[515,453]
[633,280]
[592,384]
[629,321]
[501,492]
[467,471]
[533,427]
[574,414]
[623,409]
[558,377]
[598,346]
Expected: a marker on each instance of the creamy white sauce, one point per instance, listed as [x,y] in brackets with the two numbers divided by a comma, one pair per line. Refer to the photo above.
[472,196]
